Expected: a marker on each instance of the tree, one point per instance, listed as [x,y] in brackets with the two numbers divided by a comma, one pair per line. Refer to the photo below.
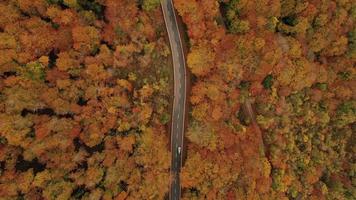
[201,60]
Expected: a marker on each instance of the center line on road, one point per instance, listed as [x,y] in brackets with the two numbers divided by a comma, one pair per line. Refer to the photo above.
[178,94]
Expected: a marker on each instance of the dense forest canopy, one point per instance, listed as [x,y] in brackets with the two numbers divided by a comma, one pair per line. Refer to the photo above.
[295,62]
[84,100]
[86,92]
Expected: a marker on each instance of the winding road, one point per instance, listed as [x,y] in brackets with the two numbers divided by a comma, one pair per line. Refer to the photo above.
[179,100]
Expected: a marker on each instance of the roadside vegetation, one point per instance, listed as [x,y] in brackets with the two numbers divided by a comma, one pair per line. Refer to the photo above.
[84,100]
[85,92]
[295,61]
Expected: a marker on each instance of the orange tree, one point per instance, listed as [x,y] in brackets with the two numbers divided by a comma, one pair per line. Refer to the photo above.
[84,99]
[294,60]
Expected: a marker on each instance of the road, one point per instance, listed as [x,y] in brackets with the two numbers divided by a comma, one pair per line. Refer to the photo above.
[179,100]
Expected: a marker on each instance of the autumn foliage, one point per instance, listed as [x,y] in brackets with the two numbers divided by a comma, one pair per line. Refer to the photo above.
[84,85]
[295,61]
[85,93]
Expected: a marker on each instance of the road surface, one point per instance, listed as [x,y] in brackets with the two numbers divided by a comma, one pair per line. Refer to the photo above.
[179,100]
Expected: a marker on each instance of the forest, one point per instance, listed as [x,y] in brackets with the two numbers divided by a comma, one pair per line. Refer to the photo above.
[84,100]
[294,62]
[86,97]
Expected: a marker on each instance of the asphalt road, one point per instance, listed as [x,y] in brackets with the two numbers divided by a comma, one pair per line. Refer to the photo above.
[179,101]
